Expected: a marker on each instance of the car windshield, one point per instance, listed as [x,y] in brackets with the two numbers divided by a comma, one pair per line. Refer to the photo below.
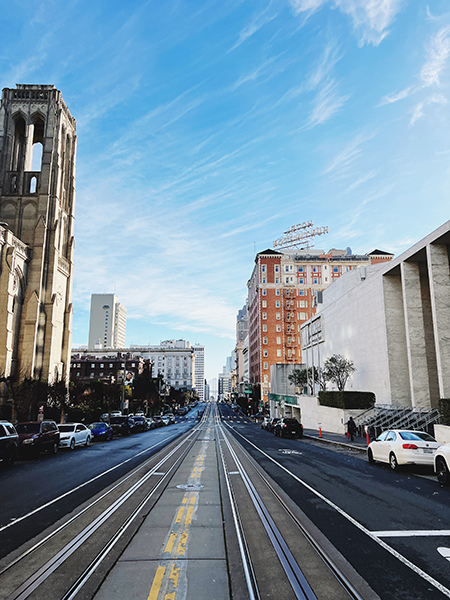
[417,435]
[66,428]
[27,428]
[118,420]
[97,426]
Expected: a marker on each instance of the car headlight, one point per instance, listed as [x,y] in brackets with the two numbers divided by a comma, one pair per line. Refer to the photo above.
[28,441]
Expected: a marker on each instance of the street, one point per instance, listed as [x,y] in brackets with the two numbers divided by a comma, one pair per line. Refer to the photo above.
[381,533]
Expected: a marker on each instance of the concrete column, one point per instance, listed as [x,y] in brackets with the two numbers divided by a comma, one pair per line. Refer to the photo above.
[439,274]
[399,380]
[415,335]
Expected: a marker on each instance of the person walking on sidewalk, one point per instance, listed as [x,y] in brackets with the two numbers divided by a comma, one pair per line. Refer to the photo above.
[351,427]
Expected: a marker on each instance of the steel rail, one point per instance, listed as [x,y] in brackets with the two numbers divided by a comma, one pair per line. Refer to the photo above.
[250,578]
[296,578]
[337,572]
[37,578]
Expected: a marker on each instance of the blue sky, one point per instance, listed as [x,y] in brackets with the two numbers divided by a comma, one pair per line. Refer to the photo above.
[207,128]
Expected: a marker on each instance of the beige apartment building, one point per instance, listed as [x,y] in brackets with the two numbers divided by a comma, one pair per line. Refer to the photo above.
[37,200]
[282,293]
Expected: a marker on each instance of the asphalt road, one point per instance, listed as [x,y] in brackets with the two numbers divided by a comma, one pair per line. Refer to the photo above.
[36,492]
[389,525]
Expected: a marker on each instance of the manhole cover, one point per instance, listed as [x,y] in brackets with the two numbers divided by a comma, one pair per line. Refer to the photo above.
[192,487]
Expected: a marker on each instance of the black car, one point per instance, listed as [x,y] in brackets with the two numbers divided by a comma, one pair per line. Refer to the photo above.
[288,427]
[140,424]
[122,425]
[9,443]
[271,424]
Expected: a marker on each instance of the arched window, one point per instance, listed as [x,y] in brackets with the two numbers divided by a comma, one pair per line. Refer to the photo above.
[38,145]
[18,148]
[33,184]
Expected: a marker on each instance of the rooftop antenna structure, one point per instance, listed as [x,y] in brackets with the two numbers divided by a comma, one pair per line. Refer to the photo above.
[300,236]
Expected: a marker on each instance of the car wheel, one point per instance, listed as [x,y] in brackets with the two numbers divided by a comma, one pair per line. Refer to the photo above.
[442,472]
[72,444]
[393,461]
[88,441]
[370,456]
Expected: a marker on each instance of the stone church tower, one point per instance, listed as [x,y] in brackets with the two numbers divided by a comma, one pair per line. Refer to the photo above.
[37,198]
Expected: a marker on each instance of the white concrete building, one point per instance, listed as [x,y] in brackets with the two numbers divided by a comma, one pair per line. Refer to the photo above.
[107,324]
[393,321]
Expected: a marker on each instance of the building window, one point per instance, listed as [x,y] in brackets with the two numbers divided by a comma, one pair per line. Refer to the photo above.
[335,269]
[301,292]
[263,280]
[263,268]
[316,281]
[92,366]
[265,365]
[264,291]
[264,340]
[301,280]
[277,304]
[277,280]
[78,374]
[264,328]
[300,269]
[277,292]
[314,269]
[278,316]
[265,353]
[302,316]
[278,340]
[264,316]
[278,353]
[264,303]
[302,304]
[277,268]
[278,328]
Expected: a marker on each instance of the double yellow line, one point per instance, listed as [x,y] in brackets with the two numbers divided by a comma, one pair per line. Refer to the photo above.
[167,576]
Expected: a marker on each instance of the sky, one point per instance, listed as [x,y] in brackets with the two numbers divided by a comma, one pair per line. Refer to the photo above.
[207,128]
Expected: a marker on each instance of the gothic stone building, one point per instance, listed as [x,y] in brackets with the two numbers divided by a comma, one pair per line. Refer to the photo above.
[37,198]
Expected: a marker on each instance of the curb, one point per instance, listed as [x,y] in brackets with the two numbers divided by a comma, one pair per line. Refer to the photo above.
[335,443]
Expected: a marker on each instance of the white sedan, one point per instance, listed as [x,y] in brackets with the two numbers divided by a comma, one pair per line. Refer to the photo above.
[74,434]
[402,447]
[442,464]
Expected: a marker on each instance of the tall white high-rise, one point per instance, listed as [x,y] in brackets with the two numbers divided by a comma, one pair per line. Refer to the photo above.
[200,371]
[107,323]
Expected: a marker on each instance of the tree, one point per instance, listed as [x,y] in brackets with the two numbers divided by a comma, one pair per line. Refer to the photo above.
[307,378]
[338,369]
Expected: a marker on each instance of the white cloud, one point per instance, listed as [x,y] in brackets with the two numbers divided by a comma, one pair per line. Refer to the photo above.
[326,104]
[345,160]
[437,56]
[371,18]
[418,111]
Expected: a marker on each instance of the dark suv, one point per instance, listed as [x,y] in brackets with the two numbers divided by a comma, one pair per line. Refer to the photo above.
[36,436]
[286,427]
[9,443]
[122,425]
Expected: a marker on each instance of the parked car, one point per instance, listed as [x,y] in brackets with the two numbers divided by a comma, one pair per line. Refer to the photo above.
[265,422]
[171,418]
[9,443]
[271,424]
[403,447]
[74,434]
[114,413]
[36,436]
[140,423]
[183,410]
[150,423]
[158,420]
[442,464]
[101,431]
[121,425]
[288,427]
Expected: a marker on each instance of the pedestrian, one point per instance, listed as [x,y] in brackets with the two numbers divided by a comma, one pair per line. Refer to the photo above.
[351,427]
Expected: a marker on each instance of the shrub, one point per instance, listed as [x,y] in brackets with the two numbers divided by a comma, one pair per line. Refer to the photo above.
[357,400]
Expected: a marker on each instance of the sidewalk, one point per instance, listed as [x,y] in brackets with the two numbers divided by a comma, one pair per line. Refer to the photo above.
[359,444]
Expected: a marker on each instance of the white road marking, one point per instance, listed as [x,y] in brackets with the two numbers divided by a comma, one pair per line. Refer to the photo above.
[413,533]
[445,552]
[356,523]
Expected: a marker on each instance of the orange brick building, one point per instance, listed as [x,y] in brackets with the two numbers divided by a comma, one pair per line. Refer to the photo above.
[281,293]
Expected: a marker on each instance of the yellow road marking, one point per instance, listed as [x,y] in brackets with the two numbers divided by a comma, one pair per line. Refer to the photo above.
[170,542]
[179,514]
[157,581]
